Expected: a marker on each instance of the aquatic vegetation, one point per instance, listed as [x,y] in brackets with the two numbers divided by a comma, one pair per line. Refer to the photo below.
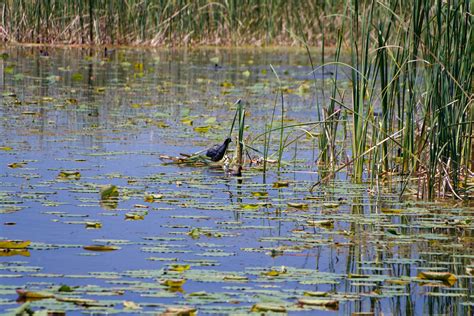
[114,229]
[13,244]
[410,111]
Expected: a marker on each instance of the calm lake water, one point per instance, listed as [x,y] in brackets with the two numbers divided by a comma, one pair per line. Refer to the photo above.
[218,243]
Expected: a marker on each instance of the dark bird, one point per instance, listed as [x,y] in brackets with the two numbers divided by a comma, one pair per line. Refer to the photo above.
[217,152]
[43,53]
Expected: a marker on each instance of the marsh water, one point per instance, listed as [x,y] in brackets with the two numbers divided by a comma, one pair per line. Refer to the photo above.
[76,120]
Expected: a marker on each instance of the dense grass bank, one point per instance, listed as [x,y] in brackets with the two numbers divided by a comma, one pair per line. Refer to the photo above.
[159,22]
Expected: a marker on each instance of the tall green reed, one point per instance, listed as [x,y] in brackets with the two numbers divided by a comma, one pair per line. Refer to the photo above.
[411,110]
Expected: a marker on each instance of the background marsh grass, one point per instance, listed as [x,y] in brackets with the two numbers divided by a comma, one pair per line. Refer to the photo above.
[158,22]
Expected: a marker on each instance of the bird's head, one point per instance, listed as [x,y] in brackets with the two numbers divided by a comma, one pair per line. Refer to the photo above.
[228,140]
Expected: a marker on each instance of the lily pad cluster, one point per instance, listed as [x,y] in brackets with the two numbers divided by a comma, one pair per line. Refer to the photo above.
[94,222]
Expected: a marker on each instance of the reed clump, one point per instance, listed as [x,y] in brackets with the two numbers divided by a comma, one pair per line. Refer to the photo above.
[410,109]
[409,115]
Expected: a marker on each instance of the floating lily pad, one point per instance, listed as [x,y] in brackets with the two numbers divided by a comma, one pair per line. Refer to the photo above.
[268,307]
[333,304]
[298,205]
[101,248]
[281,184]
[31,295]
[447,277]
[68,174]
[14,244]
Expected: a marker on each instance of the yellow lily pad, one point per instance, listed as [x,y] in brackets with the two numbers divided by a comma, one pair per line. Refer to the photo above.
[440,276]
[15,165]
[24,294]
[69,174]
[250,206]
[14,244]
[152,197]
[174,282]
[281,184]
[93,224]
[134,216]
[179,267]
[227,84]
[187,121]
[391,210]
[202,129]
[272,273]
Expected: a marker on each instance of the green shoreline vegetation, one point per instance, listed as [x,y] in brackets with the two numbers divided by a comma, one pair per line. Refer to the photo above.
[409,109]
[165,22]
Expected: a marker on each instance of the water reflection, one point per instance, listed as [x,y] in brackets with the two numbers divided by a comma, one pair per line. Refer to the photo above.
[110,119]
